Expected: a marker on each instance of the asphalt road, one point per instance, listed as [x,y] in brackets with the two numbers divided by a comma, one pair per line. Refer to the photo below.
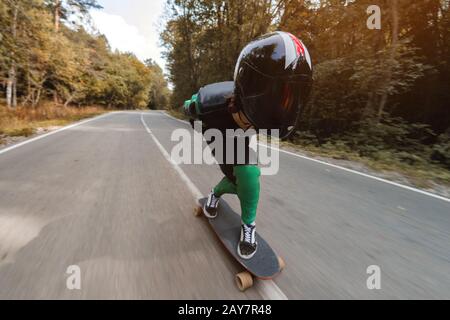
[102,196]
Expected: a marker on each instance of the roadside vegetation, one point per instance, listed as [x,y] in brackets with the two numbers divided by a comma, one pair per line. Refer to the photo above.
[24,122]
[53,70]
[424,167]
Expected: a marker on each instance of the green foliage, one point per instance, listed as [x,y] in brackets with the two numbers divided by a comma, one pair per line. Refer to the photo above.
[390,138]
[159,95]
[441,150]
[23,132]
[402,69]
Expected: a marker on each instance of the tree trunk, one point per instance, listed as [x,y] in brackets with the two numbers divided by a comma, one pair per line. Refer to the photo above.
[187,36]
[57,14]
[9,87]
[383,102]
[240,22]
[29,92]
[14,89]
[68,101]
[55,98]
[395,26]
[29,97]
[38,97]
[368,108]
[11,83]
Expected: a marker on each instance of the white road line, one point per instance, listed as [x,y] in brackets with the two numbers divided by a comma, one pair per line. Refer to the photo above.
[360,173]
[195,191]
[344,169]
[187,122]
[267,289]
[172,117]
[18,145]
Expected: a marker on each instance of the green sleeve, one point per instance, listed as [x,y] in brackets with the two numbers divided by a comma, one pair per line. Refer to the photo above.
[191,107]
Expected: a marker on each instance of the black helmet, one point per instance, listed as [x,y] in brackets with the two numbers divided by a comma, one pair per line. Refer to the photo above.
[273,79]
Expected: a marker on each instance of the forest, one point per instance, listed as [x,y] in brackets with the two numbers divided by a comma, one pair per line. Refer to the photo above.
[47,54]
[379,94]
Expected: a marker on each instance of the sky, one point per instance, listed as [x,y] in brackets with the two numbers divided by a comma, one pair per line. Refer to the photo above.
[132,26]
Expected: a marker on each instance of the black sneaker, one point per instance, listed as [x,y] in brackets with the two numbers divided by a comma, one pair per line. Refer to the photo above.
[247,246]
[211,205]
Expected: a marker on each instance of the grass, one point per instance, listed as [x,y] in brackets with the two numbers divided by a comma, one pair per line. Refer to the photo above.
[20,132]
[422,175]
[24,121]
[177,113]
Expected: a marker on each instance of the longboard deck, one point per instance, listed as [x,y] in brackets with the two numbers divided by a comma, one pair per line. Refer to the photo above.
[227,225]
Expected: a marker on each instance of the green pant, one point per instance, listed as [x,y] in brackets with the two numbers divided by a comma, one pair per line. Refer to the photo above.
[245,184]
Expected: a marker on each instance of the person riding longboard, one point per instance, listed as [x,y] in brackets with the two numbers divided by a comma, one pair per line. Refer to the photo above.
[272,81]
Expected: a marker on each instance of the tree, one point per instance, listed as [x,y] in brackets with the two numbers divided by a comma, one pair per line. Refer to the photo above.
[159,93]
[203,39]
[76,67]
[376,70]
[63,9]
[17,19]
[11,90]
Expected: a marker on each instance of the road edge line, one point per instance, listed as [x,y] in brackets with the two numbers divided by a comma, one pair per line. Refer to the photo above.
[267,288]
[172,117]
[192,187]
[423,192]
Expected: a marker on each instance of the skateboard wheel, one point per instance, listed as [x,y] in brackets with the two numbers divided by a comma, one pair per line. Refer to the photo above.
[281,263]
[244,280]
[198,211]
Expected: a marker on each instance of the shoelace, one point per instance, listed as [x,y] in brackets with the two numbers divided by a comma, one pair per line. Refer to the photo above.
[213,201]
[248,232]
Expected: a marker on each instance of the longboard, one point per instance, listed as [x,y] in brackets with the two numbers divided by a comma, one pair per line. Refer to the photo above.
[264,265]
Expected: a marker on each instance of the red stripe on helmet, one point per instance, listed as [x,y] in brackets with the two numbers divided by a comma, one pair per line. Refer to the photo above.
[298,45]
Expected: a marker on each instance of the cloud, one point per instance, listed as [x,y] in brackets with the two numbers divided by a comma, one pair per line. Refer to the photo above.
[125,37]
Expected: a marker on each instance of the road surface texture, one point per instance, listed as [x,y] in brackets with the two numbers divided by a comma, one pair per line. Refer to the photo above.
[103,196]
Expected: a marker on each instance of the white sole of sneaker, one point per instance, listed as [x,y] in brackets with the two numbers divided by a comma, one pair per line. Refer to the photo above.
[245,257]
[207,214]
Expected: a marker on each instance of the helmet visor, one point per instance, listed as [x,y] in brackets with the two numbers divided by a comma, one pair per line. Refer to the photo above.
[270,103]
[254,82]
